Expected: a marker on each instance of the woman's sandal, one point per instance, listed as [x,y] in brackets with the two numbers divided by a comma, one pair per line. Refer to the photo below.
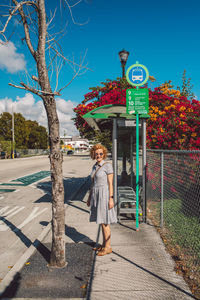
[97,248]
[104,251]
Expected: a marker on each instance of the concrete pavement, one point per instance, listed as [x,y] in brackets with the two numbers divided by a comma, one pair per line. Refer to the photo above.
[138,268]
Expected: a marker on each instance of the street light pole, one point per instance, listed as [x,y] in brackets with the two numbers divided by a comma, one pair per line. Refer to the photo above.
[123,56]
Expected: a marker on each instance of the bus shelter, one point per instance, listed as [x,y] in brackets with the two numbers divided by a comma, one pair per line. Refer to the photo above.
[123,127]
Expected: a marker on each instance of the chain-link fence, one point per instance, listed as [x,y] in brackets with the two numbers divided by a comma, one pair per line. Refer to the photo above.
[30,152]
[173,203]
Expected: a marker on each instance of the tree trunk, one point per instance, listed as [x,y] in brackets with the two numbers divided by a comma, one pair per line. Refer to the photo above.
[58,210]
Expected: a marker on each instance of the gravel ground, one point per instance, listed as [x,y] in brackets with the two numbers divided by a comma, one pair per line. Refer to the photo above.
[36,280]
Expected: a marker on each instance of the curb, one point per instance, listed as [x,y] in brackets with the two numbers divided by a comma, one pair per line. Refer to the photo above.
[27,254]
[20,263]
[89,287]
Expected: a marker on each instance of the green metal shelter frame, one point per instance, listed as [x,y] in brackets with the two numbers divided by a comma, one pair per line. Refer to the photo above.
[117,113]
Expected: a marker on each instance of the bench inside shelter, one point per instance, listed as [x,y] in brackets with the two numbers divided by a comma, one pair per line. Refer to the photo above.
[127,201]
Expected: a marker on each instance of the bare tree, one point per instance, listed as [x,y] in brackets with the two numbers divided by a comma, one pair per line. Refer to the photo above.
[47,54]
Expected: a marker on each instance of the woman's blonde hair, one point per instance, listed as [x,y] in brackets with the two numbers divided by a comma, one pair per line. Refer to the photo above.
[97,147]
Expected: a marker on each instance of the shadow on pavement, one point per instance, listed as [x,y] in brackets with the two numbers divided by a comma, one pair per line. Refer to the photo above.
[155,275]
[72,188]
[13,287]
[76,236]
[75,206]
[27,242]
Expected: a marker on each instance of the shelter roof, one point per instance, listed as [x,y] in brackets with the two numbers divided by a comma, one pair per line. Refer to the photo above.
[110,111]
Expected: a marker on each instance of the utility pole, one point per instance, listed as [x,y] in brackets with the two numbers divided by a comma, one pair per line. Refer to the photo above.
[13,134]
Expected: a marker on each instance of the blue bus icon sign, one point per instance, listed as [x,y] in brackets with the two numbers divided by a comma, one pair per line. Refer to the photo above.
[137,75]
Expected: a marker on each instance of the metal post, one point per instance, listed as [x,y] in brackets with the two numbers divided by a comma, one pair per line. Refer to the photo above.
[162,186]
[13,134]
[144,166]
[124,162]
[131,157]
[114,155]
[123,70]
[137,172]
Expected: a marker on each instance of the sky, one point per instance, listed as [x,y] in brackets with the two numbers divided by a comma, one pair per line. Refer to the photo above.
[162,35]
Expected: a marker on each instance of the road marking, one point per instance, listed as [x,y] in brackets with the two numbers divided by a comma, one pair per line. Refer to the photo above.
[7,214]
[32,216]
[28,179]
[10,212]
[4,213]
[7,190]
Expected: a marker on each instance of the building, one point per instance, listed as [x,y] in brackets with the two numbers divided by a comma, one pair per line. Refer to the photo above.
[75,143]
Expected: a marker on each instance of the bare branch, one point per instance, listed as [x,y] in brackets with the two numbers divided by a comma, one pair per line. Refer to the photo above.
[76,74]
[18,6]
[68,60]
[26,28]
[70,10]
[34,78]
[31,89]
[53,16]
[59,67]
[76,3]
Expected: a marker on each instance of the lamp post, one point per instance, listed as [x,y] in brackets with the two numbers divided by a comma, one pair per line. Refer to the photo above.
[123,56]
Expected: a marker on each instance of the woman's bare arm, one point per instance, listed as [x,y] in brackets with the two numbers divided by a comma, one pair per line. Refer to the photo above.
[110,186]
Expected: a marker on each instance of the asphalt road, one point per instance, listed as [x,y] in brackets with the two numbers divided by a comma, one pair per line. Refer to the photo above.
[25,206]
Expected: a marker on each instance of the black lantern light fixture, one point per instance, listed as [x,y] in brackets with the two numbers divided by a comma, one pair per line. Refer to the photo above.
[123,56]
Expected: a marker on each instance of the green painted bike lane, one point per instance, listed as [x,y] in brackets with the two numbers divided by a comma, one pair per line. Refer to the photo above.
[24,181]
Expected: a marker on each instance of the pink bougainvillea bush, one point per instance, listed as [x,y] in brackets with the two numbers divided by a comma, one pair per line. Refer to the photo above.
[174,121]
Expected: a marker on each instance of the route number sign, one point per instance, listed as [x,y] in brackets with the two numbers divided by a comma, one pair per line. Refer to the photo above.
[137,101]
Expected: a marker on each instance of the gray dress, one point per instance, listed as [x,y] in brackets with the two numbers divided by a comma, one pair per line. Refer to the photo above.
[99,211]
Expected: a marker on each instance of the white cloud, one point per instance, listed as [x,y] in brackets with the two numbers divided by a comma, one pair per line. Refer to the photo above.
[35,111]
[10,59]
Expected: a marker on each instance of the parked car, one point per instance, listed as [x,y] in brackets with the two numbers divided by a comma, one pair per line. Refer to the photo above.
[3,155]
[70,152]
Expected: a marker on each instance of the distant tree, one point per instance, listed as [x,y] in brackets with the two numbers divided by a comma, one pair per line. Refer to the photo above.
[38,136]
[186,88]
[28,134]
[6,146]
[6,126]
[20,127]
[105,138]
[22,131]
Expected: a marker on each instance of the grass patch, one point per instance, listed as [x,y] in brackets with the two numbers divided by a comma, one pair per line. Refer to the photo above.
[185,229]
[181,236]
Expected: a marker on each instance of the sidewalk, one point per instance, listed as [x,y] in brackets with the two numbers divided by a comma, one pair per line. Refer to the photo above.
[138,268]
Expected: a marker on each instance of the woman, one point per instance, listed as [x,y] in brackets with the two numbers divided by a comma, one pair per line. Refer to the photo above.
[100,199]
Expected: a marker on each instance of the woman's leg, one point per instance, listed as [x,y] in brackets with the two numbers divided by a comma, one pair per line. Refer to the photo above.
[106,235]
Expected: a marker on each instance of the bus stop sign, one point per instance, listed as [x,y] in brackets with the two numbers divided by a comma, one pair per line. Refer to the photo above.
[137,101]
[137,75]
